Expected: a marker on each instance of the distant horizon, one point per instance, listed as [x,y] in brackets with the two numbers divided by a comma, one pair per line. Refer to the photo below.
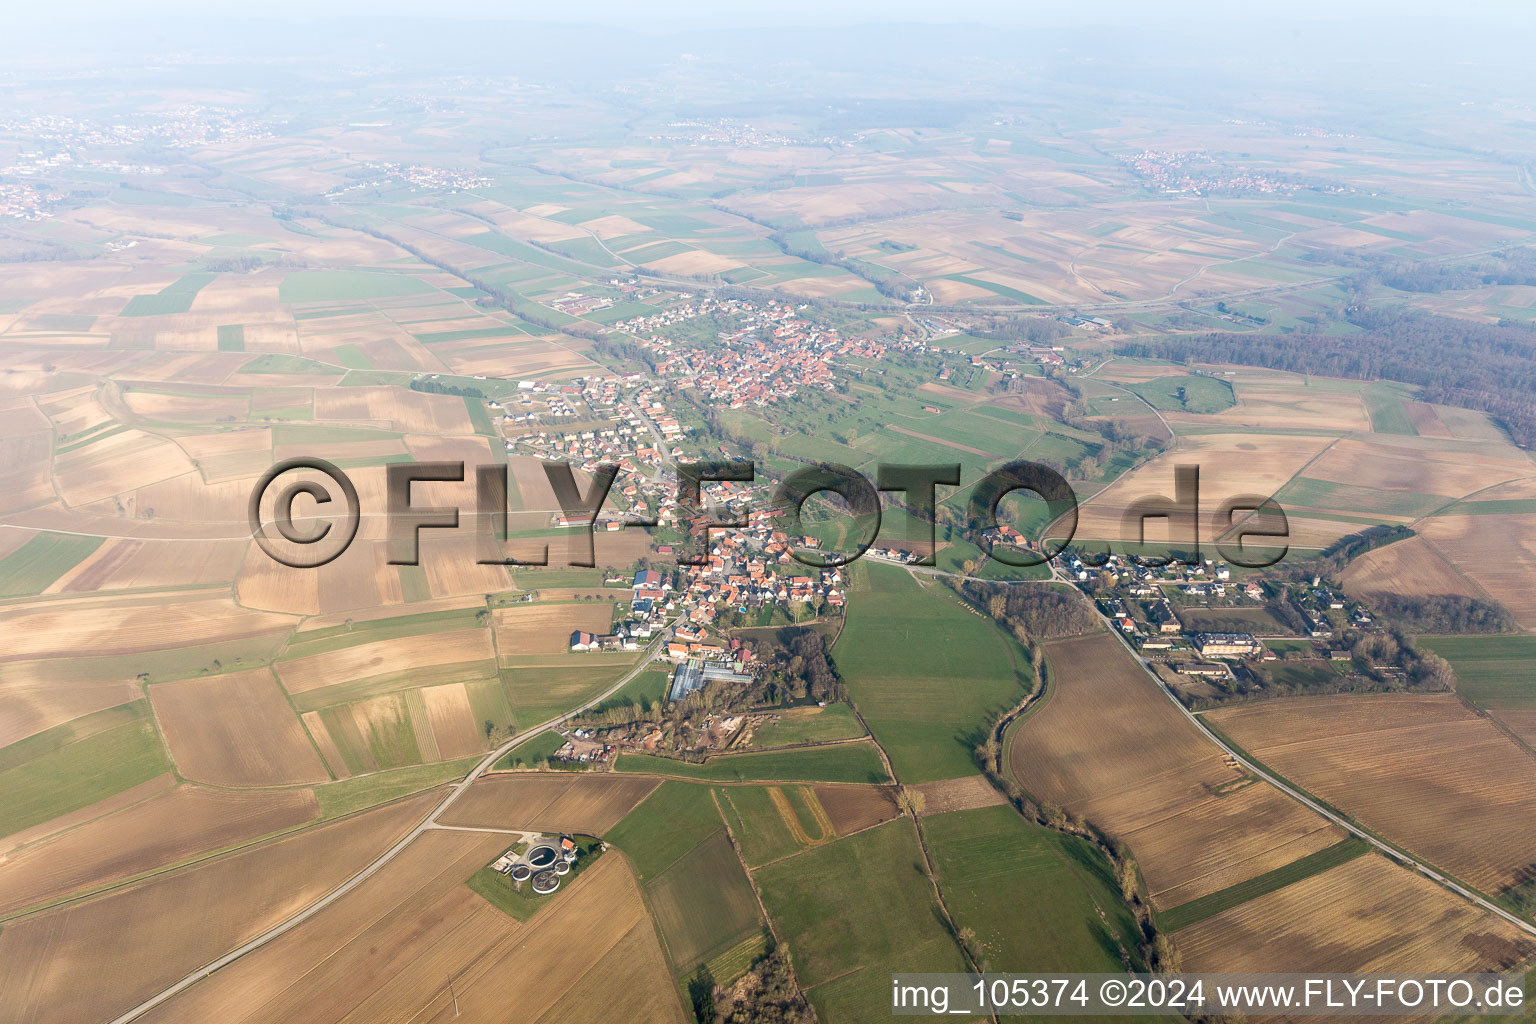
[684,15]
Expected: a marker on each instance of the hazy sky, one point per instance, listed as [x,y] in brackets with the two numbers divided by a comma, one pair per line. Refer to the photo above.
[672,14]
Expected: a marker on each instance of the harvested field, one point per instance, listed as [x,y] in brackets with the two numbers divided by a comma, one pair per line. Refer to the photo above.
[1108,745]
[1426,420]
[123,563]
[1230,465]
[565,801]
[634,971]
[1420,466]
[1270,399]
[117,463]
[130,625]
[451,569]
[385,657]
[557,955]
[235,730]
[116,802]
[1410,567]
[1497,551]
[39,695]
[95,959]
[318,731]
[408,411]
[546,628]
[1366,916]
[416,908]
[853,808]
[1421,770]
[150,834]
[361,580]
[962,794]
[453,721]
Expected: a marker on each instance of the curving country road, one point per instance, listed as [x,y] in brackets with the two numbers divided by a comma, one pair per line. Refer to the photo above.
[426,824]
[1289,790]
[1401,856]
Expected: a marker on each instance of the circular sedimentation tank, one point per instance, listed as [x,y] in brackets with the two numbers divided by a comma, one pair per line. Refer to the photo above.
[563,868]
[521,872]
[542,857]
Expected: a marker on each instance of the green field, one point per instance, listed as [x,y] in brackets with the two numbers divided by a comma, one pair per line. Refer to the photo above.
[842,762]
[528,755]
[1384,402]
[647,690]
[926,673]
[560,579]
[1305,492]
[345,285]
[812,725]
[389,741]
[332,638]
[1255,620]
[348,795]
[34,566]
[1187,394]
[173,298]
[231,337]
[76,764]
[990,862]
[1214,903]
[1491,671]
[539,693]
[756,823]
[703,903]
[854,911]
[671,821]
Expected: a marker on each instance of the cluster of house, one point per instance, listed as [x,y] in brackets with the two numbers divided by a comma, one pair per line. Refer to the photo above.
[1199,173]
[539,402]
[417,177]
[770,354]
[1121,568]
[1316,601]
[739,573]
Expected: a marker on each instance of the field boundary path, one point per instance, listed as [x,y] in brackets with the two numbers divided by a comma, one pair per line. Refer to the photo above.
[427,824]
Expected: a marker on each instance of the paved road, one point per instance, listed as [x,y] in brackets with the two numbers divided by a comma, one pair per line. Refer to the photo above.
[427,824]
[1295,794]
[1279,783]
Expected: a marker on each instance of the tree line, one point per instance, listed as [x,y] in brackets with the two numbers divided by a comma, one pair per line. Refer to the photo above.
[1032,612]
[1444,613]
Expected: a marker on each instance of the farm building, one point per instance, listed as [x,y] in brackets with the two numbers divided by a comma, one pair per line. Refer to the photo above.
[693,674]
[1226,645]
